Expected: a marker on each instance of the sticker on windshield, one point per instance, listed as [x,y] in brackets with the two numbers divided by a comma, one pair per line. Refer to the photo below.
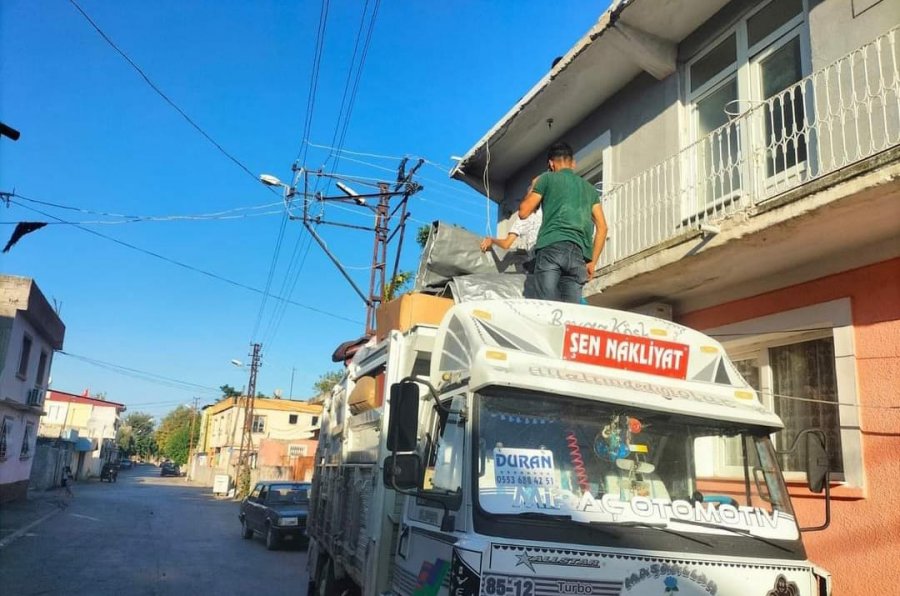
[523,467]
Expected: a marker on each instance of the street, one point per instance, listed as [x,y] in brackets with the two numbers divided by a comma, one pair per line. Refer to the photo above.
[147,535]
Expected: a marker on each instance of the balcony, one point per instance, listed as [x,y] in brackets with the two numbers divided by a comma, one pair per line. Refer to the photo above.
[838,121]
[36,397]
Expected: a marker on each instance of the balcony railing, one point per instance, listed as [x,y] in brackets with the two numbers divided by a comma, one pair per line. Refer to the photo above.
[36,397]
[839,115]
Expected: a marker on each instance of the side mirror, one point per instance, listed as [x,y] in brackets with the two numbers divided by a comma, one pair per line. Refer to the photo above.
[816,461]
[404,422]
[402,471]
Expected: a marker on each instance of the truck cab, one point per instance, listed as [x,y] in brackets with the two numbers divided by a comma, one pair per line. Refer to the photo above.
[565,449]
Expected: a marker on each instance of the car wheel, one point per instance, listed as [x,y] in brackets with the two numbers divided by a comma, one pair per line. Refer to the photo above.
[246,531]
[271,538]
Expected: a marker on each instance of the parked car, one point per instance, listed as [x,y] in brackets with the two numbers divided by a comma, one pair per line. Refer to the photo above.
[276,510]
[109,472]
[125,464]
[169,469]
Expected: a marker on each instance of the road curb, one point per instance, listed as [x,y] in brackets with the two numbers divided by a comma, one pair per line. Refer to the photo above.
[22,531]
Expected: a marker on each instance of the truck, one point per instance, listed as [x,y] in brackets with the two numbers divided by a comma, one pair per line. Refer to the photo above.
[528,448]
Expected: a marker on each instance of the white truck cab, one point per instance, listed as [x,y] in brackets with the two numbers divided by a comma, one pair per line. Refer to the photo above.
[527,448]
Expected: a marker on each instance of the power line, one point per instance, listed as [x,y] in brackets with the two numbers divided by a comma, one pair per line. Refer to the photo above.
[161,94]
[226,214]
[141,374]
[355,90]
[275,254]
[313,81]
[187,266]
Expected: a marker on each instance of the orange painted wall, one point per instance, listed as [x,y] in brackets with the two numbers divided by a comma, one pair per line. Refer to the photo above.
[862,547]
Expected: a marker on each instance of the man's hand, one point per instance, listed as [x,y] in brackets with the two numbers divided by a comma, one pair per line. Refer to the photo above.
[590,266]
[486,244]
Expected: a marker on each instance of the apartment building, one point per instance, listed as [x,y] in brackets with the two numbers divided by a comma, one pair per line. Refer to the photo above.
[747,153]
[91,423]
[283,437]
[30,332]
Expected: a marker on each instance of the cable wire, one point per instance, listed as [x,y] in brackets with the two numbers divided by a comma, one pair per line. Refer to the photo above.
[137,373]
[313,82]
[163,95]
[172,261]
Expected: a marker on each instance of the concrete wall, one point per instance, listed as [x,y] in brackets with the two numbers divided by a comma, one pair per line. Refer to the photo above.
[861,545]
[14,470]
[11,385]
[50,459]
[838,27]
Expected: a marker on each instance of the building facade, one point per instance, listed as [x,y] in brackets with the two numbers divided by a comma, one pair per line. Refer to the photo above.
[747,153]
[283,437]
[30,332]
[91,423]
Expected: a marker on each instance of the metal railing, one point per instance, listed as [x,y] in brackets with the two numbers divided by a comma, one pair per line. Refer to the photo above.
[836,116]
[36,396]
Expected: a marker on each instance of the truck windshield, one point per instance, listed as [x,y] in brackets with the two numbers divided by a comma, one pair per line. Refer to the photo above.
[602,465]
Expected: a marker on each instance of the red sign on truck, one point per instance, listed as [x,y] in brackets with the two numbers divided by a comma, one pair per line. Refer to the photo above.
[626,352]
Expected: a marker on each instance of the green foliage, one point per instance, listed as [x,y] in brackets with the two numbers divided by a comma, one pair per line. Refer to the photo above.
[136,436]
[229,391]
[397,286]
[174,434]
[422,235]
[327,380]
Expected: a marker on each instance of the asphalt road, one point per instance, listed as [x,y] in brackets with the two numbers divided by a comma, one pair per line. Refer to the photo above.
[147,535]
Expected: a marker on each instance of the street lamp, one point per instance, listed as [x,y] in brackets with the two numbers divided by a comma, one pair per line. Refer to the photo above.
[270,180]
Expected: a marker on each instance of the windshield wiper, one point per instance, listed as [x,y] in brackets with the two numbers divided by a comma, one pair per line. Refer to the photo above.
[562,517]
[656,526]
[737,531]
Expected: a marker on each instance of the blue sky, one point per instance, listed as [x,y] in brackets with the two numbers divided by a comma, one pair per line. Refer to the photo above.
[96,137]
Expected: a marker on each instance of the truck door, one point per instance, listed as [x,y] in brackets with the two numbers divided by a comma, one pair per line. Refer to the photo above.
[425,544]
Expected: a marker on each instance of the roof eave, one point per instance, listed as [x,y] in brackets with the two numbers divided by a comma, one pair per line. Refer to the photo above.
[458,171]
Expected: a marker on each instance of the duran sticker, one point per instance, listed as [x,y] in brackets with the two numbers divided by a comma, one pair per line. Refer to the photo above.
[523,467]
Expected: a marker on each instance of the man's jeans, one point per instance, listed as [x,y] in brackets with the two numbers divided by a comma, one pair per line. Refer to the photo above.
[559,273]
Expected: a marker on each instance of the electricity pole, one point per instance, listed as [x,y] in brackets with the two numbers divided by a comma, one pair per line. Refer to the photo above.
[246,435]
[379,257]
[191,436]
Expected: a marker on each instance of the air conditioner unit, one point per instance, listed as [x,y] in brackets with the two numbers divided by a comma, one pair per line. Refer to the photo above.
[660,310]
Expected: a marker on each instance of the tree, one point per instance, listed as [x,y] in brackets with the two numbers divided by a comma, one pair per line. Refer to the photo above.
[397,286]
[136,436]
[229,391]
[174,434]
[422,235]
[327,380]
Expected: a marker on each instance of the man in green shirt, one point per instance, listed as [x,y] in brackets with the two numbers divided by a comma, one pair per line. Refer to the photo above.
[572,233]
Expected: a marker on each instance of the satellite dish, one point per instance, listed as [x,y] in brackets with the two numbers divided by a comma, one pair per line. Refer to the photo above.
[278,393]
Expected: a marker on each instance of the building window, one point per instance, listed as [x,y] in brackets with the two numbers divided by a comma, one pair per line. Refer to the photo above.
[259,424]
[748,67]
[292,419]
[22,372]
[807,378]
[27,439]
[40,381]
[5,433]
[315,421]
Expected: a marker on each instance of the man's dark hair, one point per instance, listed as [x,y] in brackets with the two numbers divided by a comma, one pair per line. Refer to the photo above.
[559,150]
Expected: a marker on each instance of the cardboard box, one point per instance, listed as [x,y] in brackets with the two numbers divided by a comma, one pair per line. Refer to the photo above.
[409,310]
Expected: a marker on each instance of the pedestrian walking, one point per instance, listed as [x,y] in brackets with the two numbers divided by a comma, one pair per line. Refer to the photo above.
[572,233]
[66,481]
